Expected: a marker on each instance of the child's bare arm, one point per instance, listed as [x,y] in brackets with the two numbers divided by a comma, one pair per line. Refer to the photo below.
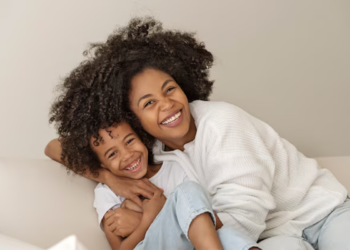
[150,208]
[114,240]
[124,223]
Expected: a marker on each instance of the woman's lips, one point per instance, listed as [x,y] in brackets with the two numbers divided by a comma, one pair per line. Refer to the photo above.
[173,120]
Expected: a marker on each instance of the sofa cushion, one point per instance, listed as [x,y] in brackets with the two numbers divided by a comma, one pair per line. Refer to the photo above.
[41,204]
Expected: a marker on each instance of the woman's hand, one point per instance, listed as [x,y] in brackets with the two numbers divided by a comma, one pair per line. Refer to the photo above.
[121,221]
[129,204]
[131,189]
[152,207]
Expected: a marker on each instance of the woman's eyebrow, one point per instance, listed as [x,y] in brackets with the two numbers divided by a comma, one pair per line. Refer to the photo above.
[166,82]
[148,95]
[143,97]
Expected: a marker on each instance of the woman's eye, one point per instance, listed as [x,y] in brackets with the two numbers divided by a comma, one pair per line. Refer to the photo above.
[130,141]
[112,154]
[149,103]
[169,89]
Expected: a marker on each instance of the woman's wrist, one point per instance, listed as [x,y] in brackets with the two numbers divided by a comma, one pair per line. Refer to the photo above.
[106,176]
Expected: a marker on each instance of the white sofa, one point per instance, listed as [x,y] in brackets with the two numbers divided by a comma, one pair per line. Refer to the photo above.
[40,204]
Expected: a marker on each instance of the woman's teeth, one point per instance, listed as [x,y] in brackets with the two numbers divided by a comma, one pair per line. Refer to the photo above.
[135,165]
[172,119]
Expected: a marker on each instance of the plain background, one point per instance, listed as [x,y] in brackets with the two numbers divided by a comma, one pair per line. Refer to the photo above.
[285,62]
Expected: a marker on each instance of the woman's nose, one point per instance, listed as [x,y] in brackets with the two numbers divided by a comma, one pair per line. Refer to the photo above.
[167,104]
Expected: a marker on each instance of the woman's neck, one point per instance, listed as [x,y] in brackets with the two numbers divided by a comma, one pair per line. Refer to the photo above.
[180,143]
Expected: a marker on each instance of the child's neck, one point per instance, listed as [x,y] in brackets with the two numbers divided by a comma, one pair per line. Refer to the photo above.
[152,170]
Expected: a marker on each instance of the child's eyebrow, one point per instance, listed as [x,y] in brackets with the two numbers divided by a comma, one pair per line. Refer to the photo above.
[128,136]
[107,151]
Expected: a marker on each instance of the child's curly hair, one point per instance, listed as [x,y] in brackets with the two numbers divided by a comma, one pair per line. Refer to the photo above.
[96,94]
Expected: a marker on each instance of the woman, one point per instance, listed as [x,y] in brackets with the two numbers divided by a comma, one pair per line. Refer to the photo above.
[259,183]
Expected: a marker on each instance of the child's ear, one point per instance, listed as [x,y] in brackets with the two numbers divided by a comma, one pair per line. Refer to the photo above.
[102,166]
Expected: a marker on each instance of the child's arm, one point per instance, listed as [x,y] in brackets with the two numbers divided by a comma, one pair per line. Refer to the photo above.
[151,208]
[128,188]
[113,240]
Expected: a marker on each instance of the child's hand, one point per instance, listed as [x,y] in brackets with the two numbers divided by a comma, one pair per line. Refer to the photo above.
[152,207]
[129,204]
[121,222]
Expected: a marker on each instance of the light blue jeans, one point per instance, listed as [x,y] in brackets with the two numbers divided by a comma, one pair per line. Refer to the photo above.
[331,233]
[170,228]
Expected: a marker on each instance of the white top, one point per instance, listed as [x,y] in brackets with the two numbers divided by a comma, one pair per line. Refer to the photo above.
[258,181]
[168,177]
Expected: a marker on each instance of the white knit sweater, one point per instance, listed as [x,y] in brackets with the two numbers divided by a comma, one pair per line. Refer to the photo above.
[258,181]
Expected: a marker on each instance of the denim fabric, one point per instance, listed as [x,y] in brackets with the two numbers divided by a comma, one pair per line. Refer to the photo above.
[170,228]
[331,233]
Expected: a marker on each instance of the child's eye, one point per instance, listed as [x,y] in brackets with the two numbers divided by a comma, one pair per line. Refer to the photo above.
[130,141]
[112,154]
[169,89]
[148,103]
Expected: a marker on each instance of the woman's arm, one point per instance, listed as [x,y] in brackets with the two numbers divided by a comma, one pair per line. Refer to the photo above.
[125,187]
[53,150]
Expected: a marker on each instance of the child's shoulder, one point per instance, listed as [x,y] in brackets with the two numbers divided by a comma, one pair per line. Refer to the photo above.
[104,191]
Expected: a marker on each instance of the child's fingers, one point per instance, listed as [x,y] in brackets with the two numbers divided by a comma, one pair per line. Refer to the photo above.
[129,204]
[137,200]
[108,214]
[112,228]
[145,193]
[158,193]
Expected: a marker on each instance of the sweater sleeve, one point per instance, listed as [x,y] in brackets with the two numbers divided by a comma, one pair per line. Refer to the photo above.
[240,170]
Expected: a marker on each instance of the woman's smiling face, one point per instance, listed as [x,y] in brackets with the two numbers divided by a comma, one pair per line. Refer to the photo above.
[160,105]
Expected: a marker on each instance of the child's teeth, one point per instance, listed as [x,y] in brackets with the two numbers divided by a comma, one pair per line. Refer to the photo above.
[135,165]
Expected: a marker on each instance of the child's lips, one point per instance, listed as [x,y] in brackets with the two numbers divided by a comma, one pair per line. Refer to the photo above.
[134,166]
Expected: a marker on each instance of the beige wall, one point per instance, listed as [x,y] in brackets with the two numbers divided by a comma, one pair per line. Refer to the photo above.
[286,62]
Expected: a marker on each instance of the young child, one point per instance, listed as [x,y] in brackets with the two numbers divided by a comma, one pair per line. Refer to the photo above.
[121,152]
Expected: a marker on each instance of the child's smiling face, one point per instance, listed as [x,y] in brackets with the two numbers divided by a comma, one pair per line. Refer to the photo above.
[122,152]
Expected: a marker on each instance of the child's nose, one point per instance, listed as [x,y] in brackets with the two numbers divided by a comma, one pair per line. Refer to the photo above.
[128,154]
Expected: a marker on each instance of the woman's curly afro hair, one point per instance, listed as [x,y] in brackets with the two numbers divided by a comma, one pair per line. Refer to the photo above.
[95,94]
